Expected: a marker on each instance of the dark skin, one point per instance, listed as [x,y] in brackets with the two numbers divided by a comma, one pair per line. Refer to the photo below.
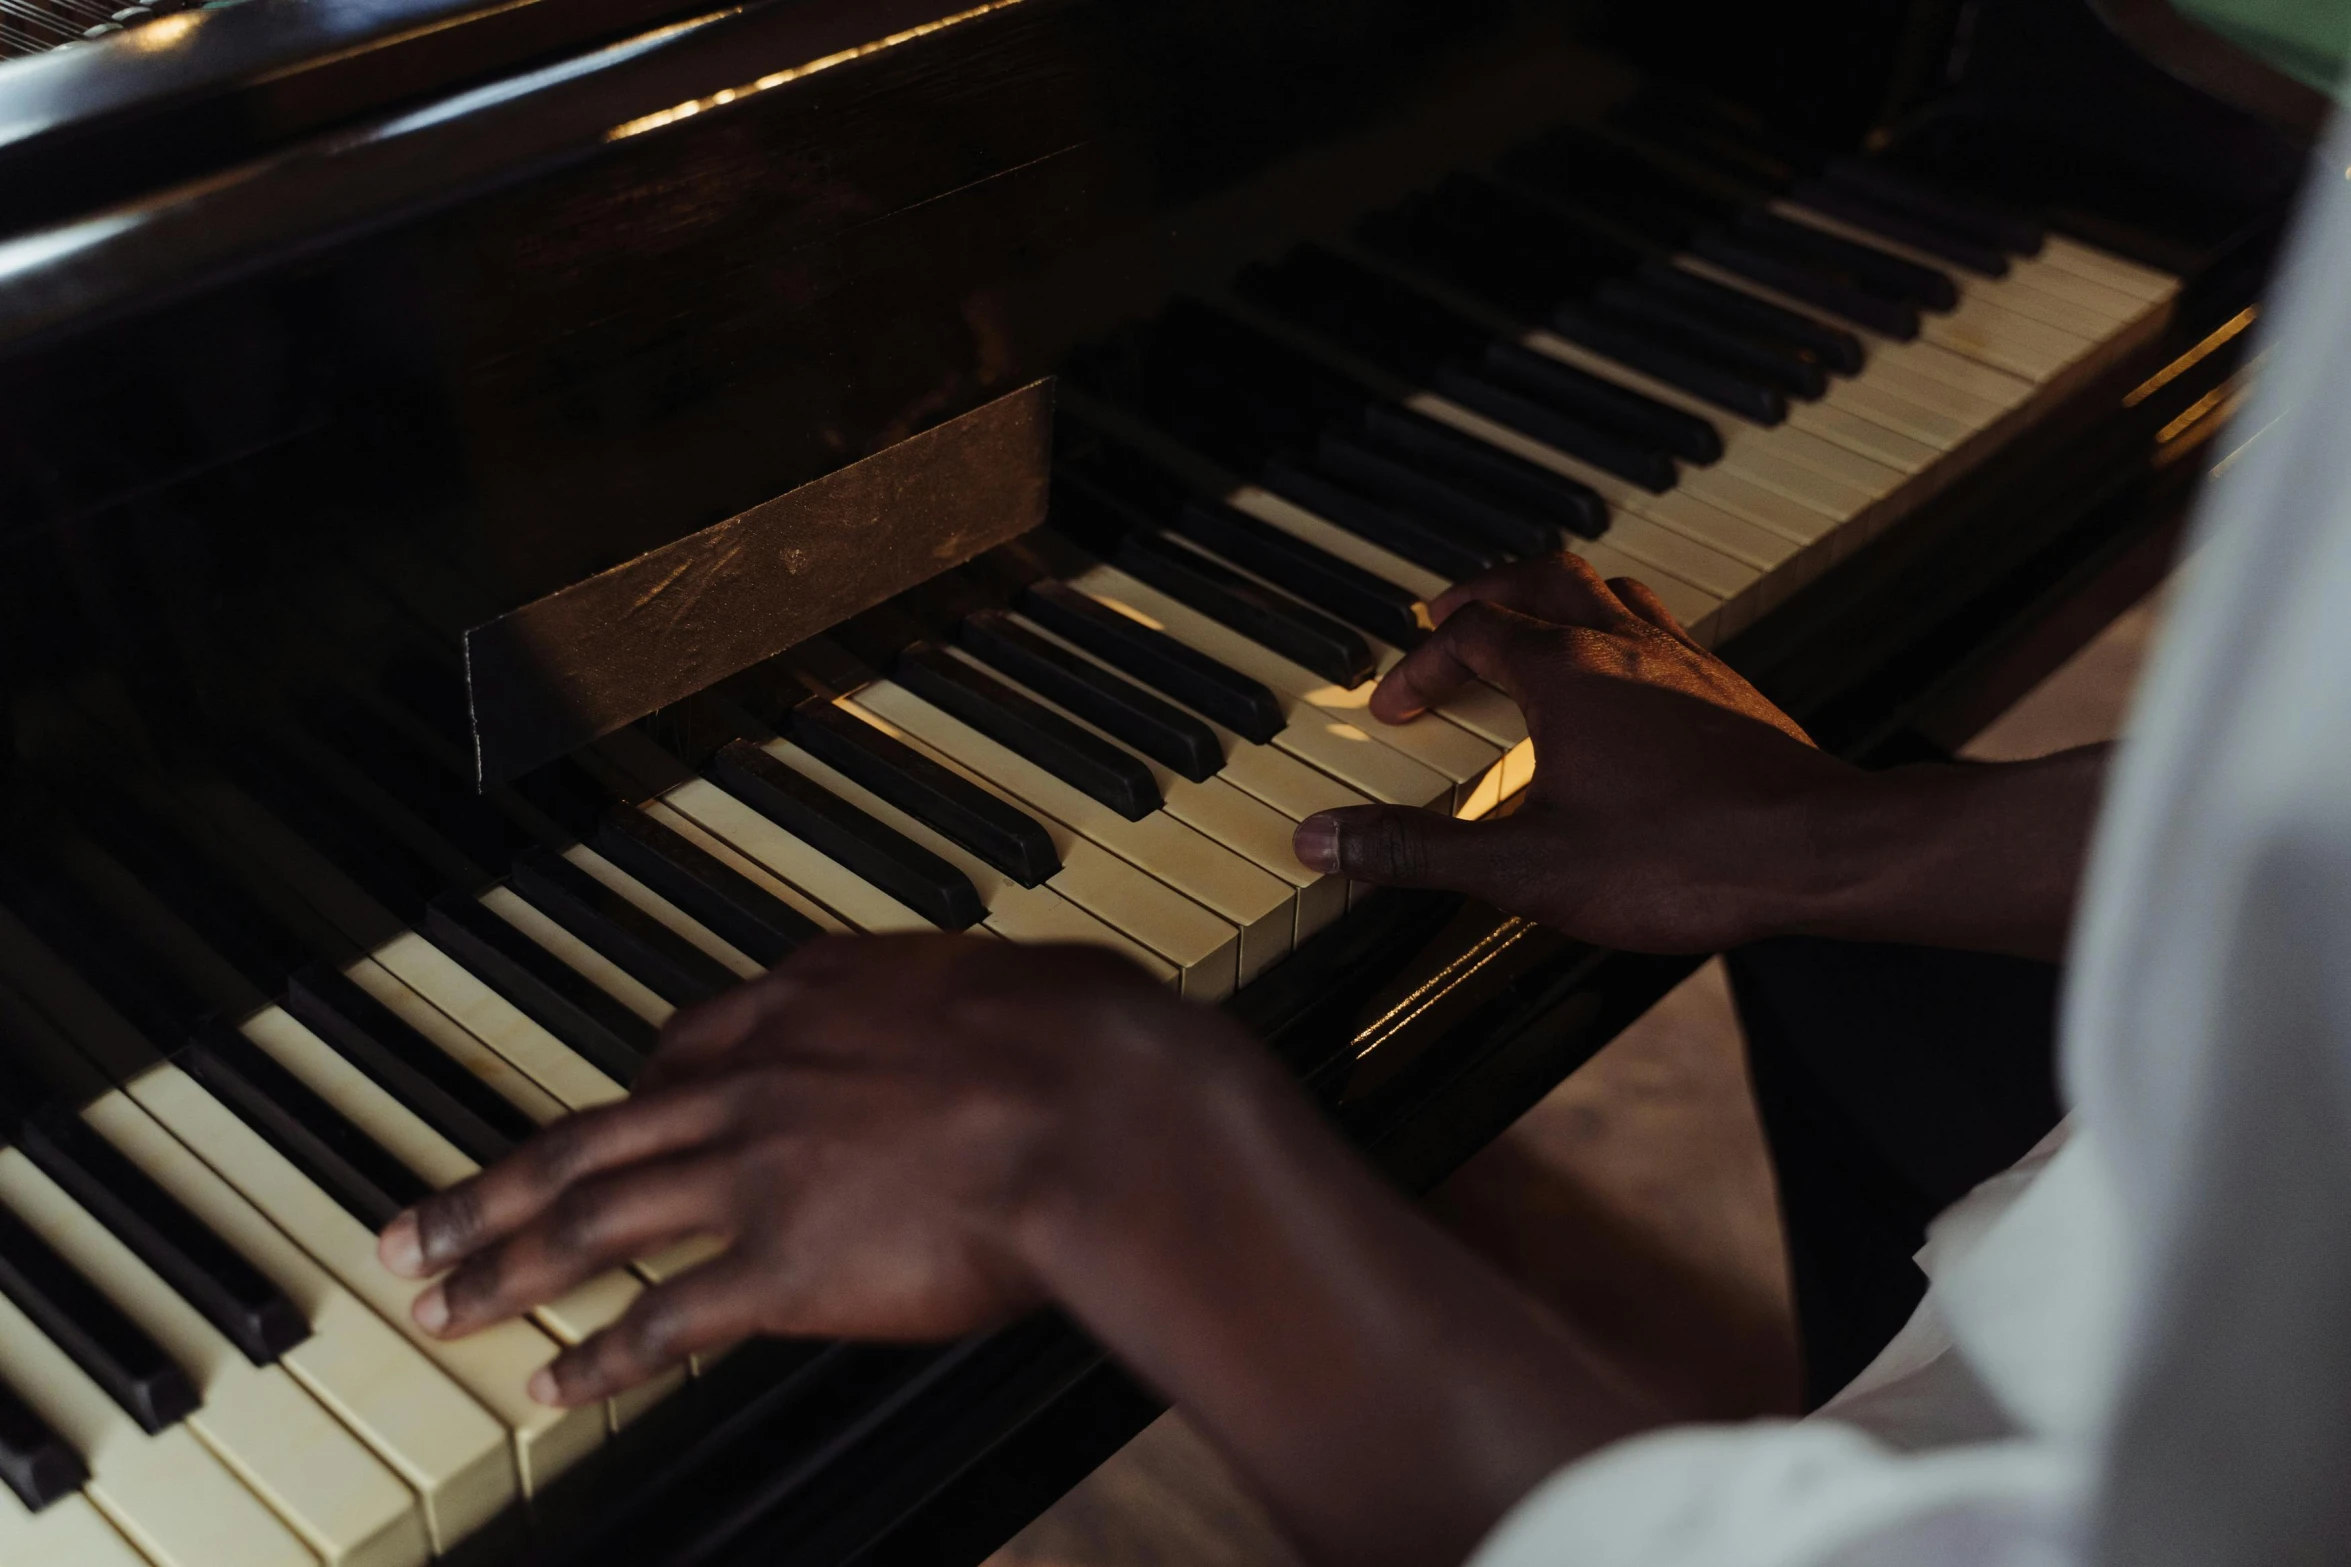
[916,1137]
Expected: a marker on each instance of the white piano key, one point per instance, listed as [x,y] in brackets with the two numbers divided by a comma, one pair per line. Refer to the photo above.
[344,1505]
[1830,478]
[495,1021]
[445,1033]
[494,1365]
[742,865]
[1256,823]
[605,974]
[2090,317]
[737,962]
[1838,424]
[1260,906]
[1696,521]
[1015,912]
[2123,305]
[2103,266]
[857,902]
[167,1493]
[393,1126]
[1204,947]
[1932,422]
[1320,532]
[1318,733]
[1482,710]
[432,1434]
[1445,748]
[1913,405]
[69,1532]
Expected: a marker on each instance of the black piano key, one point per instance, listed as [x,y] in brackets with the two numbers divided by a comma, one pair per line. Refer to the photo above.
[1606,404]
[840,831]
[657,957]
[1881,272]
[205,897]
[730,905]
[1740,311]
[1140,489]
[1784,366]
[1964,217]
[78,1318]
[386,871]
[1165,733]
[558,997]
[1387,322]
[1902,228]
[1221,694]
[1028,728]
[477,1120]
[1888,317]
[1339,587]
[983,823]
[371,1184]
[1309,639]
[233,1295]
[1590,172]
[147,995]
[1533,506]
[34,1460]
[1620,341]
[441,800]
[1522,255]
[1651,469]
[1409,516]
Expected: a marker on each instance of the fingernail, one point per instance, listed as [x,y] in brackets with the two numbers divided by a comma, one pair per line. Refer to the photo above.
[1316,843]
[542,1386]
[401,1248]
[432,1310]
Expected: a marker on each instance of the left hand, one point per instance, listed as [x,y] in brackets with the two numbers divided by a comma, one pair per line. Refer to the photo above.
[873,1130]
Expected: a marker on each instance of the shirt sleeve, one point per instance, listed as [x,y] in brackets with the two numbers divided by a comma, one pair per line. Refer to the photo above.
[1814,1493]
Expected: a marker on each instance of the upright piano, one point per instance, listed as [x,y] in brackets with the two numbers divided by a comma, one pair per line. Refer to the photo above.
[513,517]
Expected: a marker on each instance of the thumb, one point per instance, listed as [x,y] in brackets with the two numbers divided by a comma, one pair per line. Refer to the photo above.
[1396,846]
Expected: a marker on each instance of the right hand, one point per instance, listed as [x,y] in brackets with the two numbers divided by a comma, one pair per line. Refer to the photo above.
[1669,806]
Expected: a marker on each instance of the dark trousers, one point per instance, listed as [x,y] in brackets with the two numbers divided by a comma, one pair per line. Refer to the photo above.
[1890,1080]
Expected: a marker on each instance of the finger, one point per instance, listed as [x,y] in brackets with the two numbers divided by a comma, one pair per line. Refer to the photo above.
[596,1225]
[1638,597]
[1395,846]
[702,1309]
[1478,641]
[1561,588]
[697,1035]
[452,1224]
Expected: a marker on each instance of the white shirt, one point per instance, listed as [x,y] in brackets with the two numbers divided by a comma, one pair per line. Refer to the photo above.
[2135,1348]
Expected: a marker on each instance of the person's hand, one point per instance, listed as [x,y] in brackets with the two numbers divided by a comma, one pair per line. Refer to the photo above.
[875,1131]
[1666,787]
[921,1136]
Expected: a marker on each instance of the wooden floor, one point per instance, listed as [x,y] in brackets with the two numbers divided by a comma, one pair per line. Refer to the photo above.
[1637,1194]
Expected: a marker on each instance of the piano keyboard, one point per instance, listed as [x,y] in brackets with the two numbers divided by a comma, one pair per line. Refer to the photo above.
[41,26]
[249,1013]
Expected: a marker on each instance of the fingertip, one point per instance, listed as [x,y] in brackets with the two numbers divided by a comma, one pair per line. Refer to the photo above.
[431,1311]
[401,1247]
[1394,701]
[1316,842]
[545,1387]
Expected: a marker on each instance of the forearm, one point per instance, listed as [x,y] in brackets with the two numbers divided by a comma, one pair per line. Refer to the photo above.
[1384,1392]
[1982,857]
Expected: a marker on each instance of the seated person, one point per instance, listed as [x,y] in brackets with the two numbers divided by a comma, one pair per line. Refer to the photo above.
[2137,1344]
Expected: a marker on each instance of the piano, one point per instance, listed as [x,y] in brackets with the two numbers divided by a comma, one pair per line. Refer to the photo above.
[514,518]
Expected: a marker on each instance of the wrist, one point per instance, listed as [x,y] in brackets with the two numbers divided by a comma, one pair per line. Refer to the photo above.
[1156,1102]
[1836,848]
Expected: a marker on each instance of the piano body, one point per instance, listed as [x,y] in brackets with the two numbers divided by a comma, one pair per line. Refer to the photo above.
[514,517]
